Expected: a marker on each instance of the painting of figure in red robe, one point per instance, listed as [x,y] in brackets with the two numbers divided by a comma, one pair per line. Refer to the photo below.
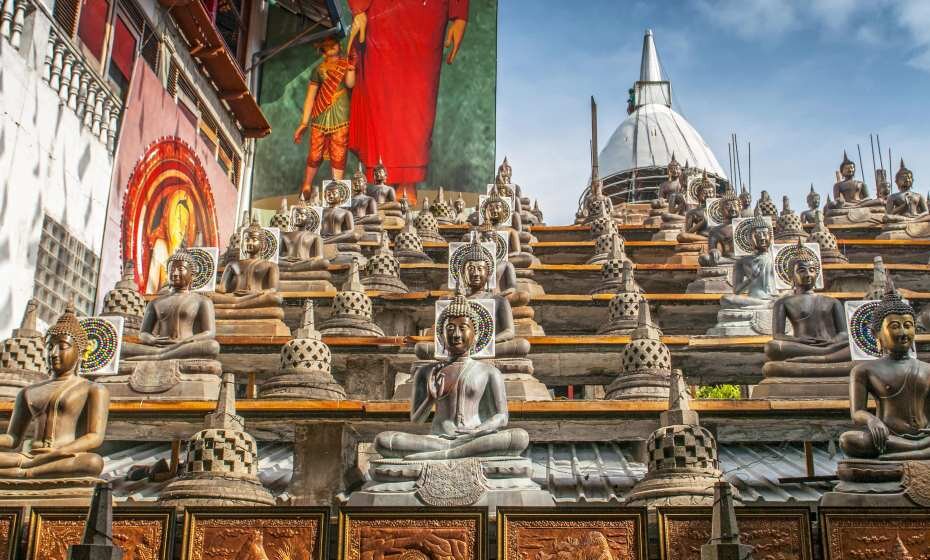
[410,84]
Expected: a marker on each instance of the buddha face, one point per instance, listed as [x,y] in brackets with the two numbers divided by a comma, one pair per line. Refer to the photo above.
[459,205]
[762,239]
[358,184]
[181,275]
[459,335]
[252,243]
[674,170]
[813,201]
[897,334]
[331,195]
[504,189]
[904,181]
[805,274]
[848,170]
[745,199]
[494,212]
[380,174]
[300,217]
[732,208]
[476,274]
[63,355]
[706,191]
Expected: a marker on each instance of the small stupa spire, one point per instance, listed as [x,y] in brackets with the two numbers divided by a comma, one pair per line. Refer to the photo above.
[353,282]
[224,416]
[308,323]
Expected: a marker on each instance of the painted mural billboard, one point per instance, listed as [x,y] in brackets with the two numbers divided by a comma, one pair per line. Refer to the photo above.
[412,86]
[167,189]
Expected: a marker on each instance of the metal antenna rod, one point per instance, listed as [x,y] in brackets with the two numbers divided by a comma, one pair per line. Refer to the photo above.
[878,140]
[874,171]
[739,169]
[861,172]
[730,159]
[749,149]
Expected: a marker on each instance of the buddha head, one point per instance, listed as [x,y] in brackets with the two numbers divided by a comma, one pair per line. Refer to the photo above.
[847,168]
[674,169]
[504,173]
[358,182]
[813,199]
[66,342]
[761,234]
[706,189]
[745,198]
[804,270]
[253,239]
[380,173]
[181,270]
[457,325]
[495,209]
[459,204]
[335,193]
[732,206]
[904,178]
[893,323]
[300,216]
[476,266]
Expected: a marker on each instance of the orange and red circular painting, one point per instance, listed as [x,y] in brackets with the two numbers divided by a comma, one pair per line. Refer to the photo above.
[168,202]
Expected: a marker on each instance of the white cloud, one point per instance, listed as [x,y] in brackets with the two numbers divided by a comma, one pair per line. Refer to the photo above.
[751,19]
[914,17]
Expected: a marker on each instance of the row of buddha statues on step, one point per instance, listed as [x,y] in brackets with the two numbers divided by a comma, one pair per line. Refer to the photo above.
[469,436]
[681,211]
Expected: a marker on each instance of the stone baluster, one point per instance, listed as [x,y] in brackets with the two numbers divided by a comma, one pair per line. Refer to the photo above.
[98,113]
[74,87]
[19,22]
[111,128]
[49,57]
[57,63]
[66,70]
[6,17]
[105,119]
[82,94]
[90,105]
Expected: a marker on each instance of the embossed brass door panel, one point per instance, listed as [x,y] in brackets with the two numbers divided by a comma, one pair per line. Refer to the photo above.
[255,532]
[143,533]
[785,531]
[412,534]
[579,534]
[875,533]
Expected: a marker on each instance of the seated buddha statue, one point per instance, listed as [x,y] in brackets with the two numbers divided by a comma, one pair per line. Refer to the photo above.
[248,290]
[388,205]
[905,207]
[467,398]
[747,311]
[697,228]
[851,203]
[814,360]
[745,199]
[508,285]
[302,263]
[720,237]
[56,405]
[813,205]
[458,208]
[497,215]
[899,430]
[661,208]
[507,188]
[178,323]
[364,209]
[338,228]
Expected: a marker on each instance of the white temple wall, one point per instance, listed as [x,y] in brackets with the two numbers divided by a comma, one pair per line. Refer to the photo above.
[50,163]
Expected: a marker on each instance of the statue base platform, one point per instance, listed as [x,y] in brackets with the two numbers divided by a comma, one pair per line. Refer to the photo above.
[12,380]
[306,281]
[675,487]
[387,284]
[639,386]
[479,481]
[165,380]
[867,216]
[350,326]
[799,380]
[527,326]
[519,382]
[687,253]
[302,384]
[42,492]
[905,230]
[252,327]
[742,322]
[527,284]
[666,234]
[215,491]
[370,235]
[873,483]
[344,253]
[712,280]
[390,221]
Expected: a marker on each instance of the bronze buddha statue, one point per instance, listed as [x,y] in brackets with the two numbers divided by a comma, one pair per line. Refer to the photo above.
[906,215]
[851,203]
[58,450]
[813,206]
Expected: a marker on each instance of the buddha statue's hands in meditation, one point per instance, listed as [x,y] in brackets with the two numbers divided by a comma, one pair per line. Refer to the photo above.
[56,405]
[468,397]
[899,429]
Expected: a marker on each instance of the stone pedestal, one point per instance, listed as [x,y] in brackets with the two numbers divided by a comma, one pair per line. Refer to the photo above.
[866,216]
[668,232]
[872,483]
[307,281]
[798,380]
[265,321]
[344,253]
[167,380]
[712,280]
[42,492]
[527,283]
[742,322]
[490,482]
[687,253]
[905,230]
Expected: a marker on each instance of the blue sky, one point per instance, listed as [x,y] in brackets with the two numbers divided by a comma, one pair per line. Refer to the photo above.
[801,80]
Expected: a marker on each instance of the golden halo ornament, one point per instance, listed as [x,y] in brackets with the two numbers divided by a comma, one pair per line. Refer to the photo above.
[786,253]
[104,339]
[714,211]
[204,268]
[462,252]
[860,330]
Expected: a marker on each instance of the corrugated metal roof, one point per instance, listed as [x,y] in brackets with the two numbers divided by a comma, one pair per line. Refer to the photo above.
[573,472]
